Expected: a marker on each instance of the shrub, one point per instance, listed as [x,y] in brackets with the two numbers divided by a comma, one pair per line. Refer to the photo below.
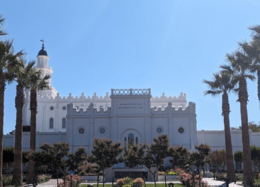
[172,173]
[187,180]
[128,181]
[120,182]
[239,177]
[76,180]
[7,180]
[256,184]
[221,176]
[179,171]
[161,173]
[139,181]
[43,178]
[83,172]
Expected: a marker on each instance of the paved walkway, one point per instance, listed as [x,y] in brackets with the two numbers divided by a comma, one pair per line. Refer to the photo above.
[210,181]
[213,182]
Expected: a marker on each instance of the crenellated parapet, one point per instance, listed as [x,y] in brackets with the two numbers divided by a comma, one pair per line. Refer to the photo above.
[73,110]
[172,110]
[105,101]
[76,99]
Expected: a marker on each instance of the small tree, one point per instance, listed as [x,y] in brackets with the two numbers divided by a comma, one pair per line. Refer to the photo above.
[74,160]
[134,156]
[201,156]
[8,158]
[238,157]
[179,156]
[105,154]
[255,156]
[156,153]
[52,156]
[218,159]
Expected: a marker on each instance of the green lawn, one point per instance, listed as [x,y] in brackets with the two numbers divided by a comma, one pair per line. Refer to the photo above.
[147,185]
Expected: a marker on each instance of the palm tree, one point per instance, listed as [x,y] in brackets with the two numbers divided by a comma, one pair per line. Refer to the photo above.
[239,68]
[222,83]
[35,83]
[21,76]
[8,62]
[252,50]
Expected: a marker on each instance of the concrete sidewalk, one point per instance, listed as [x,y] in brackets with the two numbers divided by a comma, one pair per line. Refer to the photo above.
[212,182]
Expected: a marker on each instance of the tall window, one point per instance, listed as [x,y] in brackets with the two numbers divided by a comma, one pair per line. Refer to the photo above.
[63,123]
[131,139]
[51,123]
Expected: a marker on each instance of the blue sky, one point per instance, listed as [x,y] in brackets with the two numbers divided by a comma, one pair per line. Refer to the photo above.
[169,46]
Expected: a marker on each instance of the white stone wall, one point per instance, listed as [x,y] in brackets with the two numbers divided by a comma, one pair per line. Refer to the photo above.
[131,114]
[216,139]
[45,102]
[41,138]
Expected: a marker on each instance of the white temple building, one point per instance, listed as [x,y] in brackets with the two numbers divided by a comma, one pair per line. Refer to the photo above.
[121,115]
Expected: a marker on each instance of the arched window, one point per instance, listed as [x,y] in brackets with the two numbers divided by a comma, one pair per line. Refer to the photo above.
[136,140]
[131,139]
[63,123]
[51,123]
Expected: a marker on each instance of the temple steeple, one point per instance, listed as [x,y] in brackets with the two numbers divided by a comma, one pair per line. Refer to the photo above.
[42,64]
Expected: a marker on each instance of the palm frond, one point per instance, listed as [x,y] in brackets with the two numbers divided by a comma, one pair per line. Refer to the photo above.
[251,77]
[255,32]
[227,69]
[36,82]
[2,20]
[212,92]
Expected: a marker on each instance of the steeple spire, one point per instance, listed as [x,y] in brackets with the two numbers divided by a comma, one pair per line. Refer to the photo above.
[42,43]
[42,51]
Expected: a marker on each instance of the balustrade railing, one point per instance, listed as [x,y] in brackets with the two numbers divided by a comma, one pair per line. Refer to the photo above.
[131,91]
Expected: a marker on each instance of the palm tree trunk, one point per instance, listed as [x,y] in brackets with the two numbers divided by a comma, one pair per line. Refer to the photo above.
[2,91]
[33,108]
[258,85]
[243,98]
[19,102]
[229,153]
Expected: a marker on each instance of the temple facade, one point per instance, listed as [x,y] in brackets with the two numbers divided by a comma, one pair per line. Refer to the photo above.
[131,115]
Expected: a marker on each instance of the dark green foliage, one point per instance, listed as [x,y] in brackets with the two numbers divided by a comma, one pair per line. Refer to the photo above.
[156,153]
[251,125]
[7,180]
[105,154]
[134,156]
[238,156]
[8,154]
[255,156]
[57,157]
[43,178]
[217,159]
[52,156]
[200,158]
[180,156]
[25,157]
